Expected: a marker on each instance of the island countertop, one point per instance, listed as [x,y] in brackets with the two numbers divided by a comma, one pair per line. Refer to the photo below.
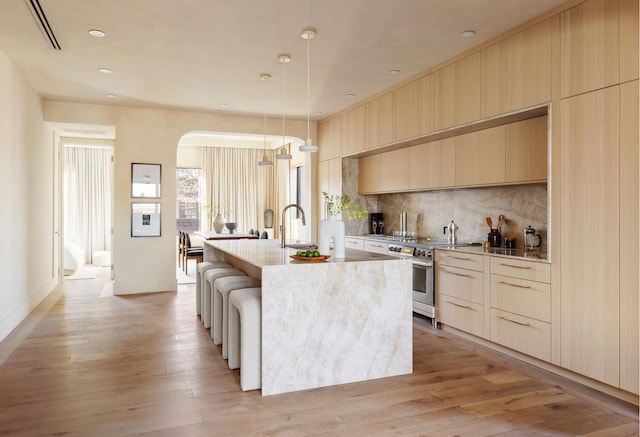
[326,323]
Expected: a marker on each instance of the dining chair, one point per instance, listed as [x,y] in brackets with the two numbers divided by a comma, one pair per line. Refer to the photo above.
[189,251]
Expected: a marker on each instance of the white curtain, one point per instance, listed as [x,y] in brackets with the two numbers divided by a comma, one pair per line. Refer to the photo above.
[87,198]
[233,178]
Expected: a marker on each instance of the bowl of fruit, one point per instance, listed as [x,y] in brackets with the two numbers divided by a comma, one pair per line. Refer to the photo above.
[311,255]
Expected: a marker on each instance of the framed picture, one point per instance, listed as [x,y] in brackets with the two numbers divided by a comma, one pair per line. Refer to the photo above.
[145,219]
[145,180]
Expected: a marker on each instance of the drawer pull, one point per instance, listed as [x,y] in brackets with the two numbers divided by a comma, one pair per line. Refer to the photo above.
[458,305]
[464,275]
[462,258]
[514,321]
[515,266]
[515,285]
[377,245]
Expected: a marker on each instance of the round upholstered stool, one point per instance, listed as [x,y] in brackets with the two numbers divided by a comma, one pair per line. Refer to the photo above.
[245,336]
[220,309]
[210,277]
[200,269]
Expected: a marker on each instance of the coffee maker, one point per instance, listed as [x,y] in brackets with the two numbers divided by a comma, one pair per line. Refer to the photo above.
[376,223]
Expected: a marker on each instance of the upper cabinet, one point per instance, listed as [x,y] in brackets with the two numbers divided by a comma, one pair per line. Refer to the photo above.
[589,47]
[480,157]
[369,170]
[516,72]
[354,130]
[628,40]
[432,165]
[526,150]
[380,121]
[413,109]
[457,92]
[330,138]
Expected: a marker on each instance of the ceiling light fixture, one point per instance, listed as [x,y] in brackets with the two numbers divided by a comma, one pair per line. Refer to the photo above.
[283,153]
[467,34]
[105,70]
[394,71]
[97,33]
[350,95]
[265,160]
[308,146]
[111,96]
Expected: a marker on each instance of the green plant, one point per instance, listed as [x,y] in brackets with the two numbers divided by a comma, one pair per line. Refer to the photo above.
[213,210]
[341,203]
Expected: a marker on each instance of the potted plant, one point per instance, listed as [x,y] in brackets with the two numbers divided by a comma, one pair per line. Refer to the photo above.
[333,228]
[216,214]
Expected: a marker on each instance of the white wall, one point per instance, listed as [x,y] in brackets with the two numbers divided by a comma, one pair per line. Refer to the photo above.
[151,136]
[26,200]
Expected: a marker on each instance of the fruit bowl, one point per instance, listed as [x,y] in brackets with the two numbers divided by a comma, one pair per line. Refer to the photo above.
[310,258]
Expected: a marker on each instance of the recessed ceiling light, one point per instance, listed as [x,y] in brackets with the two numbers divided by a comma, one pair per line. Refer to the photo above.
[111,96]
[467,34]
[350,95]
[394,71]
[97,33]
[265,76]
[318,113]
[105,70]
[223,105]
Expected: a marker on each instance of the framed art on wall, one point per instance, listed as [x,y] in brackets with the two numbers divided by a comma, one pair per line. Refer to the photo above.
[145,219]
[145,180]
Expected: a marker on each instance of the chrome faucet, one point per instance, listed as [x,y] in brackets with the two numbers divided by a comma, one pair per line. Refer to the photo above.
[282,226]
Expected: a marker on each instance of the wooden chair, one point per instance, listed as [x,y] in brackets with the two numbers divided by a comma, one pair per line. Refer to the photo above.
[189,251]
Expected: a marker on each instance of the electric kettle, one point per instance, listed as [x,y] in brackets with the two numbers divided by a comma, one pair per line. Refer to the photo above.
[532,240]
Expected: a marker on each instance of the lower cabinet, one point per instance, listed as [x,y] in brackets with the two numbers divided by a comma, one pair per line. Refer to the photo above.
[376,247]
[526,335]
[353,243]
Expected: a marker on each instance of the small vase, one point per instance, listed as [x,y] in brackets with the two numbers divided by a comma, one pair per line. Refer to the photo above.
[268,218]
[218,223]
[331,229]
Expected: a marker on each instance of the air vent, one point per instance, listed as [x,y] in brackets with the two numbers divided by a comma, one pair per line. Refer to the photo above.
[43,23]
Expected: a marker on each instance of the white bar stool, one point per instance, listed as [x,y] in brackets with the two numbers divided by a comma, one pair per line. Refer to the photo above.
[200,269]
[220,306]
[245,336]
[210,277]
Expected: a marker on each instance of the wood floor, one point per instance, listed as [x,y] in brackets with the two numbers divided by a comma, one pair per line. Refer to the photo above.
[99,365]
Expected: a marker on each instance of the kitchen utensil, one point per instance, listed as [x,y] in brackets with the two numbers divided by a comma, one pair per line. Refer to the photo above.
[403,224]
[532,240]
[452,228]
[500,220]
[490,222]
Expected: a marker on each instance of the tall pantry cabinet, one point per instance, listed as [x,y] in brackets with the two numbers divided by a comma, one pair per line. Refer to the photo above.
[599,192]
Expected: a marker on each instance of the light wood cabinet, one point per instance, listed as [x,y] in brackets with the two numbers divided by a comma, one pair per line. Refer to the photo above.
[516,72]
[432,165]
[480,157]
[413,109]
[329,180]
[629,220]
[330,138]
[457,92]
[589,243]
[380,121]
[369,169]
[460,291]
[526,335]
[354,130]
[376,247]
[628,40]
[354,243]
[526,150]
[394,171]
[589,47]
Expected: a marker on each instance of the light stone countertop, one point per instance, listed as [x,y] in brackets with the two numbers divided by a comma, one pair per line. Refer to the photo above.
[261,253]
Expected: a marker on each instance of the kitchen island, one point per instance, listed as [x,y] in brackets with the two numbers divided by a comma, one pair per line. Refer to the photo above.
[326,323]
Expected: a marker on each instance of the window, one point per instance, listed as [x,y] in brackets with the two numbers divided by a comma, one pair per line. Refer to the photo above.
[188,199]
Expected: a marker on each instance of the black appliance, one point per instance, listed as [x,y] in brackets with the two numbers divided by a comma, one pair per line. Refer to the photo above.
[376,223]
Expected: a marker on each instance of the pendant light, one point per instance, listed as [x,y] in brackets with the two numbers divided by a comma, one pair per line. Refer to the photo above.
[265,160]
[308,34]
[283,153]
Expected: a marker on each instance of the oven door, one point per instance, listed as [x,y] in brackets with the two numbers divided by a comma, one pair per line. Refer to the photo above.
[423,285]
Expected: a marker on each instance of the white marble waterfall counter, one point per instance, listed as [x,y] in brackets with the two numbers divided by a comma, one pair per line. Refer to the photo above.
[326,323]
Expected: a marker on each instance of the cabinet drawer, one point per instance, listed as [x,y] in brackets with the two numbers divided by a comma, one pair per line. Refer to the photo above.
[534,271]
[526,298]
[525,335]
[376,246]
[460,259]
[461,314]
[460,283]
[354,243]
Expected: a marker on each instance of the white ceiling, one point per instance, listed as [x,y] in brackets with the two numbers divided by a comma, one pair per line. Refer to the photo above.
[197,54]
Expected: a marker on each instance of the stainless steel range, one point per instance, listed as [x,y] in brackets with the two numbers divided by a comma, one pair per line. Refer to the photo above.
[422,255]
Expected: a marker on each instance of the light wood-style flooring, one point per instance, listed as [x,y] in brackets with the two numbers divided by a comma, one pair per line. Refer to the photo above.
[98,365]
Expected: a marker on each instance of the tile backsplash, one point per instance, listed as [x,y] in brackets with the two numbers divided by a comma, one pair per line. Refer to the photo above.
[429,212]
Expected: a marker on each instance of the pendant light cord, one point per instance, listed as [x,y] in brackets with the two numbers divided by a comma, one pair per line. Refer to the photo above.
[308,86]
[283,105]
